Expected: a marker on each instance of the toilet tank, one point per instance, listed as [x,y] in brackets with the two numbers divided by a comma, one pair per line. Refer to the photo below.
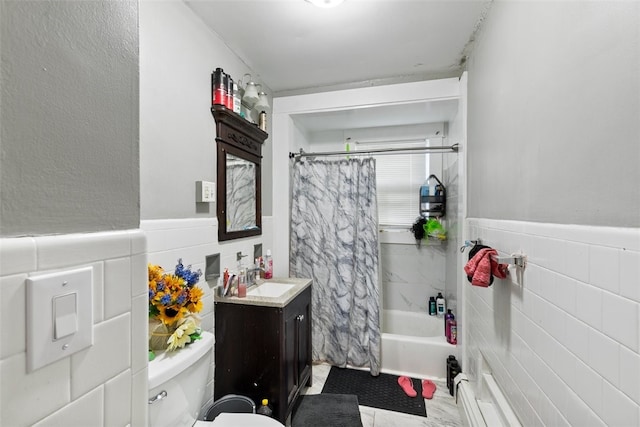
[177,383]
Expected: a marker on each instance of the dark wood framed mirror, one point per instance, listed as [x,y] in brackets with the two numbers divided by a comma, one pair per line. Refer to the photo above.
[239,156]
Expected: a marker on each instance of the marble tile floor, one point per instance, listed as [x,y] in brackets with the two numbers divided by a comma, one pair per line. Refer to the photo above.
[441,410]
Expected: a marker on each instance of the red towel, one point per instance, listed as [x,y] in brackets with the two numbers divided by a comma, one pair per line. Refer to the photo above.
[482,266]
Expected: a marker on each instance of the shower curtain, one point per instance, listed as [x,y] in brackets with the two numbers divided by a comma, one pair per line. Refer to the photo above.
[334,240]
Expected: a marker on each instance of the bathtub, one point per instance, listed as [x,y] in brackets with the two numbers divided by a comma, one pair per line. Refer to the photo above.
[414,344]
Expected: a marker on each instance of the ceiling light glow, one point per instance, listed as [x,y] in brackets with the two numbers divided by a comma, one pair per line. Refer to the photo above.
[325,3]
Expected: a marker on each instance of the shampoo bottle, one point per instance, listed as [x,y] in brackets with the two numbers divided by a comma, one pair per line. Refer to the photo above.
[453,332]
[440,304]
[268,265]
[447,317]
[432,306]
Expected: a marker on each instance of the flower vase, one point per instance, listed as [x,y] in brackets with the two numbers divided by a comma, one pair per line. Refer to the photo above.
[159,333]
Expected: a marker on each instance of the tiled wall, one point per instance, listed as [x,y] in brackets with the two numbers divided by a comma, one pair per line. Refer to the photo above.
[564,345]
[192,240]
[104,384]
[411,274]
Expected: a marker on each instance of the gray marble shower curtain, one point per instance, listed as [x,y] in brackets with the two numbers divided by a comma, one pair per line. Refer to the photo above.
[334,240]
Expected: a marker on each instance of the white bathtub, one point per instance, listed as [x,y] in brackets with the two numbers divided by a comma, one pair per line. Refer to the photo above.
[414,344]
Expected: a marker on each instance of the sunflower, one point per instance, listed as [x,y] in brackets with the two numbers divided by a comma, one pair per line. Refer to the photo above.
[194,303]
[171,314]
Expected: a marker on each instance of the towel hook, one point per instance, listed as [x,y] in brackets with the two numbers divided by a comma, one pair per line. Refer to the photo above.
[469,244]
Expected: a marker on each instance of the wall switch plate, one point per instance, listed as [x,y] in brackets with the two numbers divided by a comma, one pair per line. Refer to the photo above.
[205,191]
[59,315]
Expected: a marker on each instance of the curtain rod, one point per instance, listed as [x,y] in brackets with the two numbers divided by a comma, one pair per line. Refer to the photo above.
[445,148]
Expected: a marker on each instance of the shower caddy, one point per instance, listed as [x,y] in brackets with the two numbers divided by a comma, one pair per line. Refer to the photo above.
[433,205]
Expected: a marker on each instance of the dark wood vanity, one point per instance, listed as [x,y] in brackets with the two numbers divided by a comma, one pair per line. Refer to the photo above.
[263,348]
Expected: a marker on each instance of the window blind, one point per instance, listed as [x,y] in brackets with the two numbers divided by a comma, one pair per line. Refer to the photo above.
[398,180]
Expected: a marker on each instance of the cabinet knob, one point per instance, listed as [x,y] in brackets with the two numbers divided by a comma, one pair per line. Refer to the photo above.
[300,317]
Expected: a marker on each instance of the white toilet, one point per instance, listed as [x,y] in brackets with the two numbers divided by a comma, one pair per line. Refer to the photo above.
[177,382]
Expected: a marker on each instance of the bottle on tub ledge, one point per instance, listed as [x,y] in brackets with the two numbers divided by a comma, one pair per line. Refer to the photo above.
[440,304]
[453,332]
[268,265]
[449,315]
[432,306]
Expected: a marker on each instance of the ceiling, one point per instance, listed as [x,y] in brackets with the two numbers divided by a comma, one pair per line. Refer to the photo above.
[299,48]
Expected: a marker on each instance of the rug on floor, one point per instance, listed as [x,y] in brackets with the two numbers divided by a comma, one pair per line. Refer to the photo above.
[381,392]
[327,410]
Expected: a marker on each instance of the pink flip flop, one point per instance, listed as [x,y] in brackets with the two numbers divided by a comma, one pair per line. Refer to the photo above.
[428,388]
[407,386]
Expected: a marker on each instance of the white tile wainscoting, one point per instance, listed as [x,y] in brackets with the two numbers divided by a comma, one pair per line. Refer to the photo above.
[104,384]
[564,344]
[192,239]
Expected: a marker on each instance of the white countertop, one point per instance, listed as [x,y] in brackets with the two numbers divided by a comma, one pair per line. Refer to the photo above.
[280,301]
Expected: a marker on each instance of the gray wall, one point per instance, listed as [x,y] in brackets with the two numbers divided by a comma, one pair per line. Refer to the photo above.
[554,114]
[177,131]
[69,124]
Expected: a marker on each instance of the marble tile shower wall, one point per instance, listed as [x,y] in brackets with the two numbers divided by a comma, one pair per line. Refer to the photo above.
[565,345]
[411,274]
[193,240]
[102,385]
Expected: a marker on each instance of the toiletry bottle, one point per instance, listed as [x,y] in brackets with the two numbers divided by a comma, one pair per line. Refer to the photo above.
[262,121]
[219,91]
[453,332]
[229,103]
[268,265]
[242,283]
[447,317]
[440,304]
[264,409]
[455,370]
[424,197]
[236,99]
[450,360]
[432,306]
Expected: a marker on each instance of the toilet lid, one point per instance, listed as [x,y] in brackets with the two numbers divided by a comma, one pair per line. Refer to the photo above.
[239,420]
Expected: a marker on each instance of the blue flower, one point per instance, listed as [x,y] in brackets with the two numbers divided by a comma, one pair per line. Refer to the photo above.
[151,293]
[186,274]
[182,298]
[166,299]
[160,286]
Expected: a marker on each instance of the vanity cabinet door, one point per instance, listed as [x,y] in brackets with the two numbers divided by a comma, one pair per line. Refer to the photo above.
[297,345]
[303,348]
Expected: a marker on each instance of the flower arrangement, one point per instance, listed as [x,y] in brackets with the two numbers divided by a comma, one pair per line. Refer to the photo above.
[174,299]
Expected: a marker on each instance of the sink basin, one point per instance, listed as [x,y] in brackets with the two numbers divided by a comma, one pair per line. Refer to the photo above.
[270,289]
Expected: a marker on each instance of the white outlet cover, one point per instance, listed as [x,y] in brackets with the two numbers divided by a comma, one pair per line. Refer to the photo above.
[42,290]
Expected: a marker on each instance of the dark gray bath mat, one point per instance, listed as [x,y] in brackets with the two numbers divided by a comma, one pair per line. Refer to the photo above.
[381,392]
[327,410]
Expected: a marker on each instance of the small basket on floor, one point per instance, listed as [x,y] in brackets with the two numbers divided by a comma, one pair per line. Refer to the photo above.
[231,403]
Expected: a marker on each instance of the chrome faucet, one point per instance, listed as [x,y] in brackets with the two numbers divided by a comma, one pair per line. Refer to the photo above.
[252,274]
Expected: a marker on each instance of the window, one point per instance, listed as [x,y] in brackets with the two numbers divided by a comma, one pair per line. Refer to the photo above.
[398,180]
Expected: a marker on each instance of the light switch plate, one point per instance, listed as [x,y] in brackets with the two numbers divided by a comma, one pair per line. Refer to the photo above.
[59,289]
[205,191]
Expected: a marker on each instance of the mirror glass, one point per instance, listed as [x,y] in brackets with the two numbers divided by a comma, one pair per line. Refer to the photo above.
[241,194]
